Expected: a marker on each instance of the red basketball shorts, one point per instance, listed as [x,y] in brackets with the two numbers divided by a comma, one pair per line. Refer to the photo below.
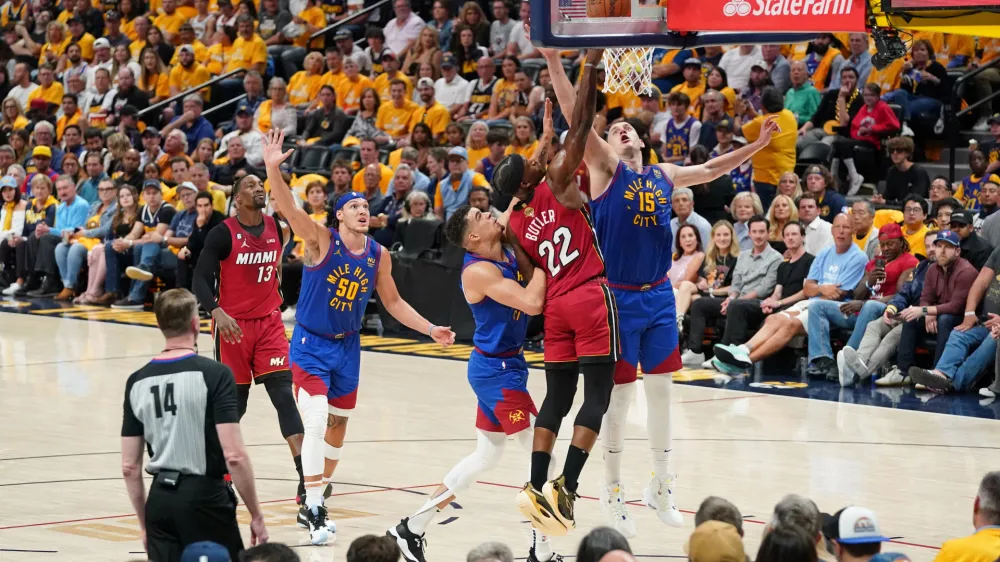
[582,325]
[262,350]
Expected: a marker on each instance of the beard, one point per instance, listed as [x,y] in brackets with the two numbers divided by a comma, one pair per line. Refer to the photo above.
[820,49]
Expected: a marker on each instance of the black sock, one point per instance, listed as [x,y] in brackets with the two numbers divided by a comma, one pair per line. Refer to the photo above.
[539,468]
[575,459]
[298,469]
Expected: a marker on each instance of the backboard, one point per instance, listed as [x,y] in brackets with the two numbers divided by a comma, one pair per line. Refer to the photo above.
[564,24]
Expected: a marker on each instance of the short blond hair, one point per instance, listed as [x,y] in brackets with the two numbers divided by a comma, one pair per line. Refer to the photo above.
[174,310]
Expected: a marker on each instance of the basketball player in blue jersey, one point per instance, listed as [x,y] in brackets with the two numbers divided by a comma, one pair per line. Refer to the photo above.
[342,268]
[492,282]
[631,208]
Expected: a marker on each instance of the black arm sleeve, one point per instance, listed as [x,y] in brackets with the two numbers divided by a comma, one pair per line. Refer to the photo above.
[131,426]
[218,244]
[222,388]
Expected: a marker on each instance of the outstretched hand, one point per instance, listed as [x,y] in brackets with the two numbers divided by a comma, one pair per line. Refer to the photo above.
[443,335]
[273,142]
[769,127]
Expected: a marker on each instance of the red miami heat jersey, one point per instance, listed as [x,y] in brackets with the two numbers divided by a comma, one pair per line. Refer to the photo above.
[560,240]
[248,277]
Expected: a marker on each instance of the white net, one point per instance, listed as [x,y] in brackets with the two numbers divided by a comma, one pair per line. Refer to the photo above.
[628,70]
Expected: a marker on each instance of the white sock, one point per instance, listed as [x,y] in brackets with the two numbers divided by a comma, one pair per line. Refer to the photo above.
[418,523]
[314,494]
[658,421]
[543,548]
[613,431]
[851,168]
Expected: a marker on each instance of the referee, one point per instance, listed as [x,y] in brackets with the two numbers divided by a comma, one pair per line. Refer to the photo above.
[183,406]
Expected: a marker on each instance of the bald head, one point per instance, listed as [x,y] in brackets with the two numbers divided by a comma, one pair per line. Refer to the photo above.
[798,73]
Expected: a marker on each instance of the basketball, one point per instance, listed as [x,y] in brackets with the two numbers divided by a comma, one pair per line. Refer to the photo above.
[609,8]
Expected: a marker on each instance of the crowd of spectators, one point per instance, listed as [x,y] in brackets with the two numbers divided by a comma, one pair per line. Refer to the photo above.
[796,532]
[116,159]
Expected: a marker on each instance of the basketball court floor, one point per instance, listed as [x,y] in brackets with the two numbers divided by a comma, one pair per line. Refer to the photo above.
[62,497]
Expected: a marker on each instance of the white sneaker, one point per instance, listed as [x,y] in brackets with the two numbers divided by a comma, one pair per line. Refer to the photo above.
[707,364]
[9,291]
[691,358]
[939,126]
[895,377]
[987,393]
[138,273]
[853,362]
[845,372]
[981,126]
[856,182]
[906,131]
[659,497]
[614,510]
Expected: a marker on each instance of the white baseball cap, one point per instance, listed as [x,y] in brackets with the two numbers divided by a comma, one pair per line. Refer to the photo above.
[853,525]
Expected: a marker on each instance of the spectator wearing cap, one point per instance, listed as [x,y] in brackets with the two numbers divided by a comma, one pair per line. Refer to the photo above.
[176,236]
[70,115]
[869,300]
[41,160]
[78,34]
[403,30]
[112,33]
[725,142]
[253,140]
[71,214]
[194,126]
[383,82]
[369,156]
[151,139]
[48,89]
[974,248]
[823,61]
[819,182]
[94,166]
[778,156]
[187,73]
[801,98]
[748,102]
[453,189]
[451,89]
[432,113]
[855,536]
[206,551]
[396,117]
[984,544]
[187,38]
[344,40]
[138,254]
[71,64]
[943,298]
[821,126]
[715,541]
[327,124]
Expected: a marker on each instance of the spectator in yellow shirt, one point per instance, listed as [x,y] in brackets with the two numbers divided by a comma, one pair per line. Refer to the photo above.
[188,38]
[78,34]
[369,156]
[778,156]
[153,79]
[221,52]
[71,115]
[56,41]
[48,89]
[984,544]
[249,50]
[187,73]
[433,113]
[384,81]
[524,141]
[303,88]
[394,118]
[453,190]
[334,67]
[170,21]
[693,84]
[476,145]
[350,88]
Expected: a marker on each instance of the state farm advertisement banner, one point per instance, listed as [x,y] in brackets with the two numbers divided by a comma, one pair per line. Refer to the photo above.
[794,16]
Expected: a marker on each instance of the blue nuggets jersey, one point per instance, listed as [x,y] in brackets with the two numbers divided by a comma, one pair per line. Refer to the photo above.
[632,218]
[335,292]
[676,141]
[499,328]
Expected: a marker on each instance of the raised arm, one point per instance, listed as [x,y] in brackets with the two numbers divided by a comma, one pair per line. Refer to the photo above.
[485,280]
[600,157]
[315,236]
[684,176]
[562,172]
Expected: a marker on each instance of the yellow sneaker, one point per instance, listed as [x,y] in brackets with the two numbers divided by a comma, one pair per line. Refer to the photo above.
[533,505]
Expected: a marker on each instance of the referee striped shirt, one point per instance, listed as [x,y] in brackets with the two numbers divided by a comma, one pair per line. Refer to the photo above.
[174,405]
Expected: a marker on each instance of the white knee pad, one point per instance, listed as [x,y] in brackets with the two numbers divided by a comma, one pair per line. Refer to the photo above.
[313,410]
[489,449]
[613,427]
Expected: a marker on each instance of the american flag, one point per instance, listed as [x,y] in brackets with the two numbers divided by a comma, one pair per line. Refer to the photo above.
[573,8]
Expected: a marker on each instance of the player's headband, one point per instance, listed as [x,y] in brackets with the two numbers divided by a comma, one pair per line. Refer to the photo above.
[347,198]
[507,175]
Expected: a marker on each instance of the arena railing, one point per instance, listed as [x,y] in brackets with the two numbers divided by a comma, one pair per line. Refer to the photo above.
[226,103]
[172,99]
[376,6]
[956,101]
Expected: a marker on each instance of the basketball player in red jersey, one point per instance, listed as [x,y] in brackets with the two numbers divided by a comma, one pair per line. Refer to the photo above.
[244,254]
[552,226]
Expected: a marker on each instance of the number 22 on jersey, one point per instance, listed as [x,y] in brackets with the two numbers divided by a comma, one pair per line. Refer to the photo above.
[557,252]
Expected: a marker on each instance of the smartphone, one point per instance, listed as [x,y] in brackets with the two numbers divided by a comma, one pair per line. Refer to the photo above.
[880,262]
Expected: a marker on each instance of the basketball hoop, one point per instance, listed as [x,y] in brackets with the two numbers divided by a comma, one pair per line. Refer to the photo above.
[628,69]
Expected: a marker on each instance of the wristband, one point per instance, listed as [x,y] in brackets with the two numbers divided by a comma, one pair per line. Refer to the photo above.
[431,329]
[970,312]
[891,309]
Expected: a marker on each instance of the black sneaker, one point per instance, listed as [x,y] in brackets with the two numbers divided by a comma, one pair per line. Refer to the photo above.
[823,367]
[533,558]
[32,284]
[411,544]
[300,493]
[128,304]
[50,287]
[315,522]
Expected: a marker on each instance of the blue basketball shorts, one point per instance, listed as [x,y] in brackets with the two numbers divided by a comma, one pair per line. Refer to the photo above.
[649,337]
[329,367]
[501,387]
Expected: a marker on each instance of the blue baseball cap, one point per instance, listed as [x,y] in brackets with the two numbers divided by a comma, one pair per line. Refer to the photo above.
[459,151]
[205,551]
[949,237]
[8,181]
